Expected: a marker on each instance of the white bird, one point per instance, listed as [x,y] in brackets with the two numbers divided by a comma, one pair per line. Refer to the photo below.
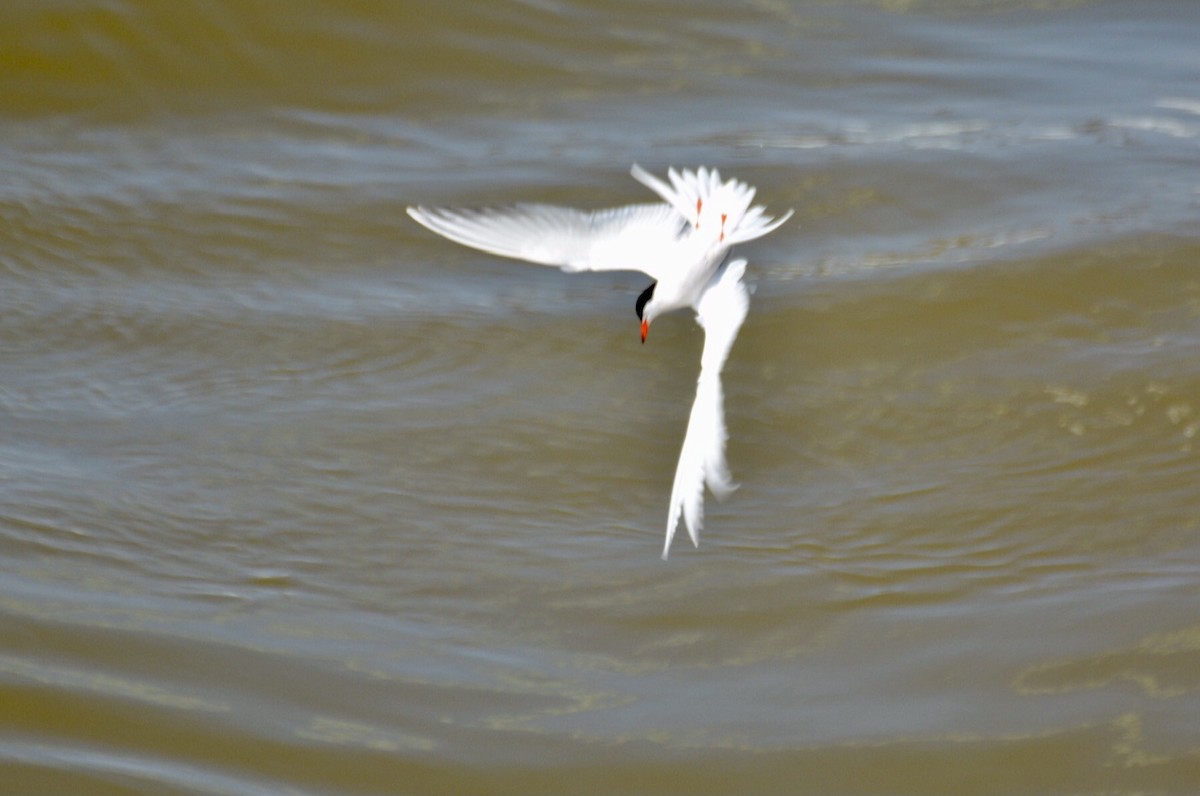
[682,245]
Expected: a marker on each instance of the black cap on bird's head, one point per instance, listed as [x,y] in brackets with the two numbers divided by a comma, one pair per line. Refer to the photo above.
[641,307]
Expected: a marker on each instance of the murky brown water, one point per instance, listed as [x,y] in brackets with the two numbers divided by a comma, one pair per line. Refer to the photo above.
[298,498]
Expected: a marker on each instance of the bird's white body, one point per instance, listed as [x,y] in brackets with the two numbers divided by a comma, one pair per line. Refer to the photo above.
[682,244]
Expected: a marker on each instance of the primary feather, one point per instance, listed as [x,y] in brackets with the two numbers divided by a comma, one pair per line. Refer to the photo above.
[631,238]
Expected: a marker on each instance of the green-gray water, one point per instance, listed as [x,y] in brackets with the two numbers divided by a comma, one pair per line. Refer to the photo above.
[296,497]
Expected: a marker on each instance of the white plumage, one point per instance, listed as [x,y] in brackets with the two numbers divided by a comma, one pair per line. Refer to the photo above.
[682,245]
[720,312]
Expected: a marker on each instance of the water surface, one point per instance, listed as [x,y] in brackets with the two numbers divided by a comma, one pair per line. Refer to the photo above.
[296,497]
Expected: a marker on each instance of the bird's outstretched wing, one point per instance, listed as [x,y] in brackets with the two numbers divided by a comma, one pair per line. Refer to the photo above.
[720,311]
[630,238]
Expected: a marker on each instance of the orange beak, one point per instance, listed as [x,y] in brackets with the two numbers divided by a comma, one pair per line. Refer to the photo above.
[645,330]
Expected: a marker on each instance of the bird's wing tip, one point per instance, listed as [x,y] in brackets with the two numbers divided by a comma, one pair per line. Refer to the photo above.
[723,491]
[418,213]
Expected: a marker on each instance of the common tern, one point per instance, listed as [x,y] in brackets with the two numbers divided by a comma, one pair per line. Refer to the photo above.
[682,243]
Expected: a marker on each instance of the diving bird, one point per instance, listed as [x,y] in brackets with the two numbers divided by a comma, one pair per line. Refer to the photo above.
[683,244]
